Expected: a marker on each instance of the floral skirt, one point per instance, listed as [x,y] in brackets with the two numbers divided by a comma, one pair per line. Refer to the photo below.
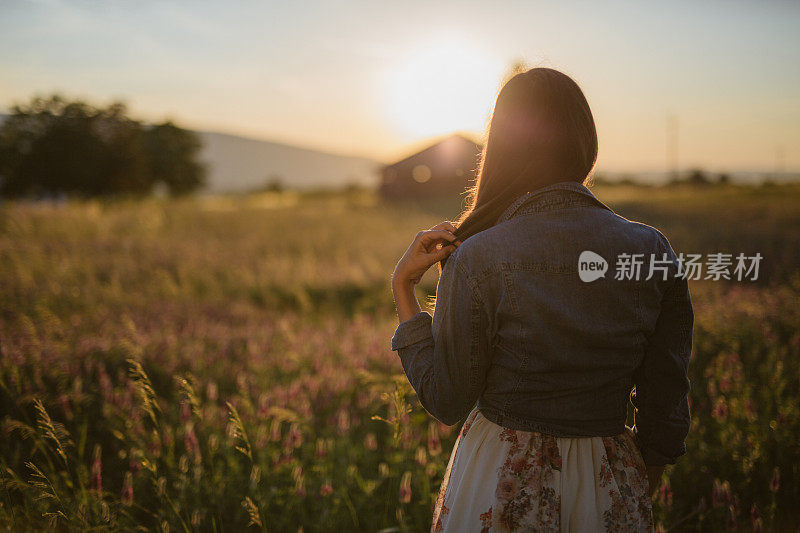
[500,479]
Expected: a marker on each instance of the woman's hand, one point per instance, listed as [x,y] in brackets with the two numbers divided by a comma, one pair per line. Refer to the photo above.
[428,248]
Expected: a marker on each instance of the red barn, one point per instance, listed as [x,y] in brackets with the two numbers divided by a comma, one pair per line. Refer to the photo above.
[446,168]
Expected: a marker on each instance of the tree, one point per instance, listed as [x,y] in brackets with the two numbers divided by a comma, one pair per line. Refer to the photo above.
[172,153]
[698,177]
[53,146]
[273,184]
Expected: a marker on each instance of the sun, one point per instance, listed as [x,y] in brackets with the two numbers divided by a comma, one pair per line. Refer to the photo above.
[443,87]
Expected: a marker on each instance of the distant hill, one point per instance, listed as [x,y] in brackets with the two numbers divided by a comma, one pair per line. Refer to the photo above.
[239,164]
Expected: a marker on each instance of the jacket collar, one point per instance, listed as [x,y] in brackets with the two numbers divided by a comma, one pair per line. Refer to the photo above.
[561,189]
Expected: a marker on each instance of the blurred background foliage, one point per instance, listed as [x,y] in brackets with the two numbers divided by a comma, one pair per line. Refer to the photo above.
[55,147]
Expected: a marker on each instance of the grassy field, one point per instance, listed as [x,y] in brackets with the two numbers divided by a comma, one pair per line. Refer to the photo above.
[220,363]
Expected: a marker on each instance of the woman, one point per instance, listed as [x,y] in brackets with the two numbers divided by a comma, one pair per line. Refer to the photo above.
[552,312]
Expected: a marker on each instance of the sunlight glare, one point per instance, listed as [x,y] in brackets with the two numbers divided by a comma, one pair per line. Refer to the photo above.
[444,87]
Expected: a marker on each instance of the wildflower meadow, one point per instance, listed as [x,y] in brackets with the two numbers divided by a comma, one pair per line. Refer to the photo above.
[224,363]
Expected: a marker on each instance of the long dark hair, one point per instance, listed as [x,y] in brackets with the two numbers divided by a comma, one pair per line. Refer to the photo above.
[541,132]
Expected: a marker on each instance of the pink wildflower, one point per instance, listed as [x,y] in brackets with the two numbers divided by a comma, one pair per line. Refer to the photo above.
[97,470]
[127,489]
[405,488]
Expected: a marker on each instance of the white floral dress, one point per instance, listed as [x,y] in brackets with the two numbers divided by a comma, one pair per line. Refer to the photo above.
[500,479]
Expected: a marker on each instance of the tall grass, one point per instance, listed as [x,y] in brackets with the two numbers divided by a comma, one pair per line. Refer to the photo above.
[222,364]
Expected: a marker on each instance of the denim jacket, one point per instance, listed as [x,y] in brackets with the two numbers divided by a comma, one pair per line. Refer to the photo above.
[516,331]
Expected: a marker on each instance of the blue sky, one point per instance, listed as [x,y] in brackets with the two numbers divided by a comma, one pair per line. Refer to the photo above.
[374,78]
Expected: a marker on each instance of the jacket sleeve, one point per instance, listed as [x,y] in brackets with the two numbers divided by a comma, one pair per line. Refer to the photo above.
[446,357]
[661,415]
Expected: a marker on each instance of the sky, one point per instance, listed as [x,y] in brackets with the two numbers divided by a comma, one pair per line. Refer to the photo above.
[378,78]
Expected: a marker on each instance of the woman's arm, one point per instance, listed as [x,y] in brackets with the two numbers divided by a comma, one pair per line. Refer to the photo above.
[405,299]
[445,356]
[426,250]
[662,417]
